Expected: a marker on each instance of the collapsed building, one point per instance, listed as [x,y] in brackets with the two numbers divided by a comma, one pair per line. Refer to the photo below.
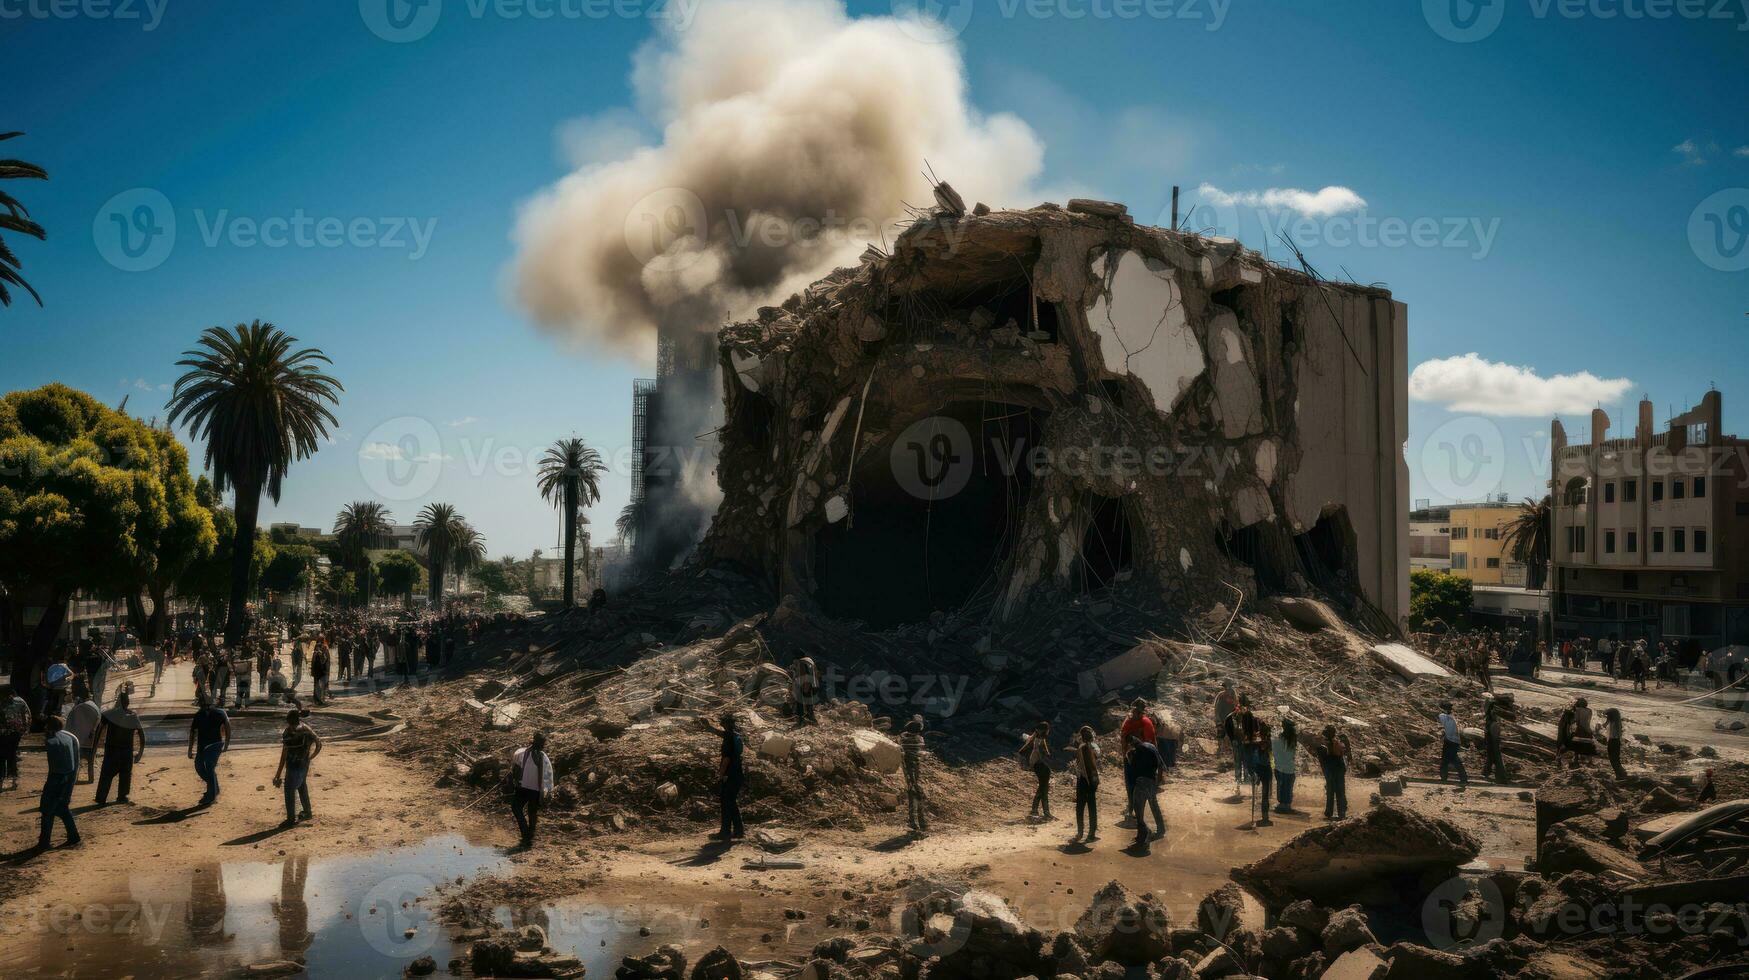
[1060,398]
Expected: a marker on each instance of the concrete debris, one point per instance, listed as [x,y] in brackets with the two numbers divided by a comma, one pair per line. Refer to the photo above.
[1406,662]
[1129,930]
[1103,209]
[1307,613]
[1372,857]
[949,200]
[1356,964]
[1137,664]
[876,751]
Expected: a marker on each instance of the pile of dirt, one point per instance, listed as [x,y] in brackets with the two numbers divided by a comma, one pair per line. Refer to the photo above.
[1375,857]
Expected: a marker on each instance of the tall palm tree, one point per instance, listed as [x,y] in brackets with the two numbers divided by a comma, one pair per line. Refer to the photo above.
[470,550]
[14,217]
[359,527]
[627,524]
[1526,538]
[570,479]
[439,530]
[260,404]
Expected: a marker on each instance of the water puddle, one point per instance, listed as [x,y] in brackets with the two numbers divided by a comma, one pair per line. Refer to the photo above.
[346,916]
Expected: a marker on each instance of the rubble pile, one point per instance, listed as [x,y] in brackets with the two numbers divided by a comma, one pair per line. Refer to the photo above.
[1371,857]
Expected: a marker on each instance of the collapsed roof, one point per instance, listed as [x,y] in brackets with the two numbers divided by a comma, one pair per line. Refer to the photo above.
[1061,398]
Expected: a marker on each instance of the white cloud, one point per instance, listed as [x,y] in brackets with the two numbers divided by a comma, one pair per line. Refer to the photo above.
[464,420]
[1322,203]
[390,452]
[1469,383]
[144,385]
[1694,153]
[1742,151]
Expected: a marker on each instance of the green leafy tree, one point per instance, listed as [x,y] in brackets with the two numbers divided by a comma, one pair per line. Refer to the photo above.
[290,569]
[399,574]
[14,217]
[186,536]
[499,576]
[359,527]
[439,530]
[83,502]
[208,579]
[260,404]
[570,479]
[1437,597]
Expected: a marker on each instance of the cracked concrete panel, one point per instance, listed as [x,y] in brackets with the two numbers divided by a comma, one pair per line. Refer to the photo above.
[1138,318]
[1250,505]
[1265,461]
[1236,391]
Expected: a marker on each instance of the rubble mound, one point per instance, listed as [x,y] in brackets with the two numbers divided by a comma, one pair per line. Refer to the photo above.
[1371,856]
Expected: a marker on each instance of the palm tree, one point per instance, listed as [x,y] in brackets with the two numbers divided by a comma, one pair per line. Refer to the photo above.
[359,527]
[439,530]
[260,404]
[16,218]
[470,550]
[570,479]
[1526,538]
[627,524]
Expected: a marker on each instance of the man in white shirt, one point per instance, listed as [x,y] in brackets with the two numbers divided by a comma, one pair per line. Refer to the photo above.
[532,777]
[82,721]
[1450,742]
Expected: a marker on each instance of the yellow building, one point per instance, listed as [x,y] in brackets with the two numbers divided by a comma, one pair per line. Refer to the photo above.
[1478,552]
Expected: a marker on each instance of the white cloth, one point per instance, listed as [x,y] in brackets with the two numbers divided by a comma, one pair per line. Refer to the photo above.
[82,721]
[534,777]
[1079,766]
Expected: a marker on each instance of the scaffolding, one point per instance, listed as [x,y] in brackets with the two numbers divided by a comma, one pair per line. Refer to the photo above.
[643,390]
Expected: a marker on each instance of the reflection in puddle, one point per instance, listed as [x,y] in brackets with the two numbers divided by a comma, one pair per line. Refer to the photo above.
[345,916]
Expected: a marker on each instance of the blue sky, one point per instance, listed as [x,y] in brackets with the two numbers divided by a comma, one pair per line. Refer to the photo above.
[1561,158]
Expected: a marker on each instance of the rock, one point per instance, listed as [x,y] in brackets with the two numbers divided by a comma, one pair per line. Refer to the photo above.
[1356,964]
[876,751]
[1117,926]
[718,964]
[1285,944]
[1411,962]
[668,794]
[607,726]
[1391,786]
[273,968]
[1305,915]
[1363,857]
[1346,930]
[1566,849]
[1222,911]
[777,745]
[666,963]
[1103,209]
[490,688]
[492,958]
[424,966]
[532,938]
[1307,614]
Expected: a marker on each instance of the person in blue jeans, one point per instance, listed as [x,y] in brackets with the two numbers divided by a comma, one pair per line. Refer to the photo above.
[62,750]
[298,747]
[730,776]
[209,735]
[1451,740]
[1283,748]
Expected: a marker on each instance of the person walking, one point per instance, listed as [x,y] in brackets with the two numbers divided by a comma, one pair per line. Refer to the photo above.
[57,680]
[1283,750]
[911,744]
[297,652]
[240,671]
[1451,741]
[1259,745]
[14,725]
[1086,768]
[319,667]
[81,723]
[1142,773]
[1333,760]
[62,751]
[263,663]
[1612,733]
[805,690]
[124,743]
[730,777]
[1493,764]
[209,736]
[298,747]
[1035,755]
[1241,730]
[1226,702]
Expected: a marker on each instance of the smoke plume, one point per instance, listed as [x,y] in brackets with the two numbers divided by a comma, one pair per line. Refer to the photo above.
[790,135]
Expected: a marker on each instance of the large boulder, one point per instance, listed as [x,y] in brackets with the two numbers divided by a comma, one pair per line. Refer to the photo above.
[1346,930]
[1116,926]
[1376,857]
[875,751]
[718,964]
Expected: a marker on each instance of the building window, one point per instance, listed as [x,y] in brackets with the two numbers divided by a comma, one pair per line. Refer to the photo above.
[1576,538]
[1678,539]
[1493,563]
[1699,487]
[1657,540]
[1630,491]
[1460,561]
[1700,540]
[1492,534]
[1609,542]
[1657,490]
[1677,488]
[1460,534]
[1633,542]
[1609,492]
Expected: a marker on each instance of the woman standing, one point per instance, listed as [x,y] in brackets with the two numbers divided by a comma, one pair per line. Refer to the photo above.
[1035,754]
[1086,768]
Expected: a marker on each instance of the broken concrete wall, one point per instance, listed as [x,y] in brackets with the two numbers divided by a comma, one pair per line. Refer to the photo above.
[1017,400]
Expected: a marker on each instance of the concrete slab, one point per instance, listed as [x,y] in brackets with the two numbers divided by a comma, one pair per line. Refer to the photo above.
[1406,662]
[1356,964]
[1138,663]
